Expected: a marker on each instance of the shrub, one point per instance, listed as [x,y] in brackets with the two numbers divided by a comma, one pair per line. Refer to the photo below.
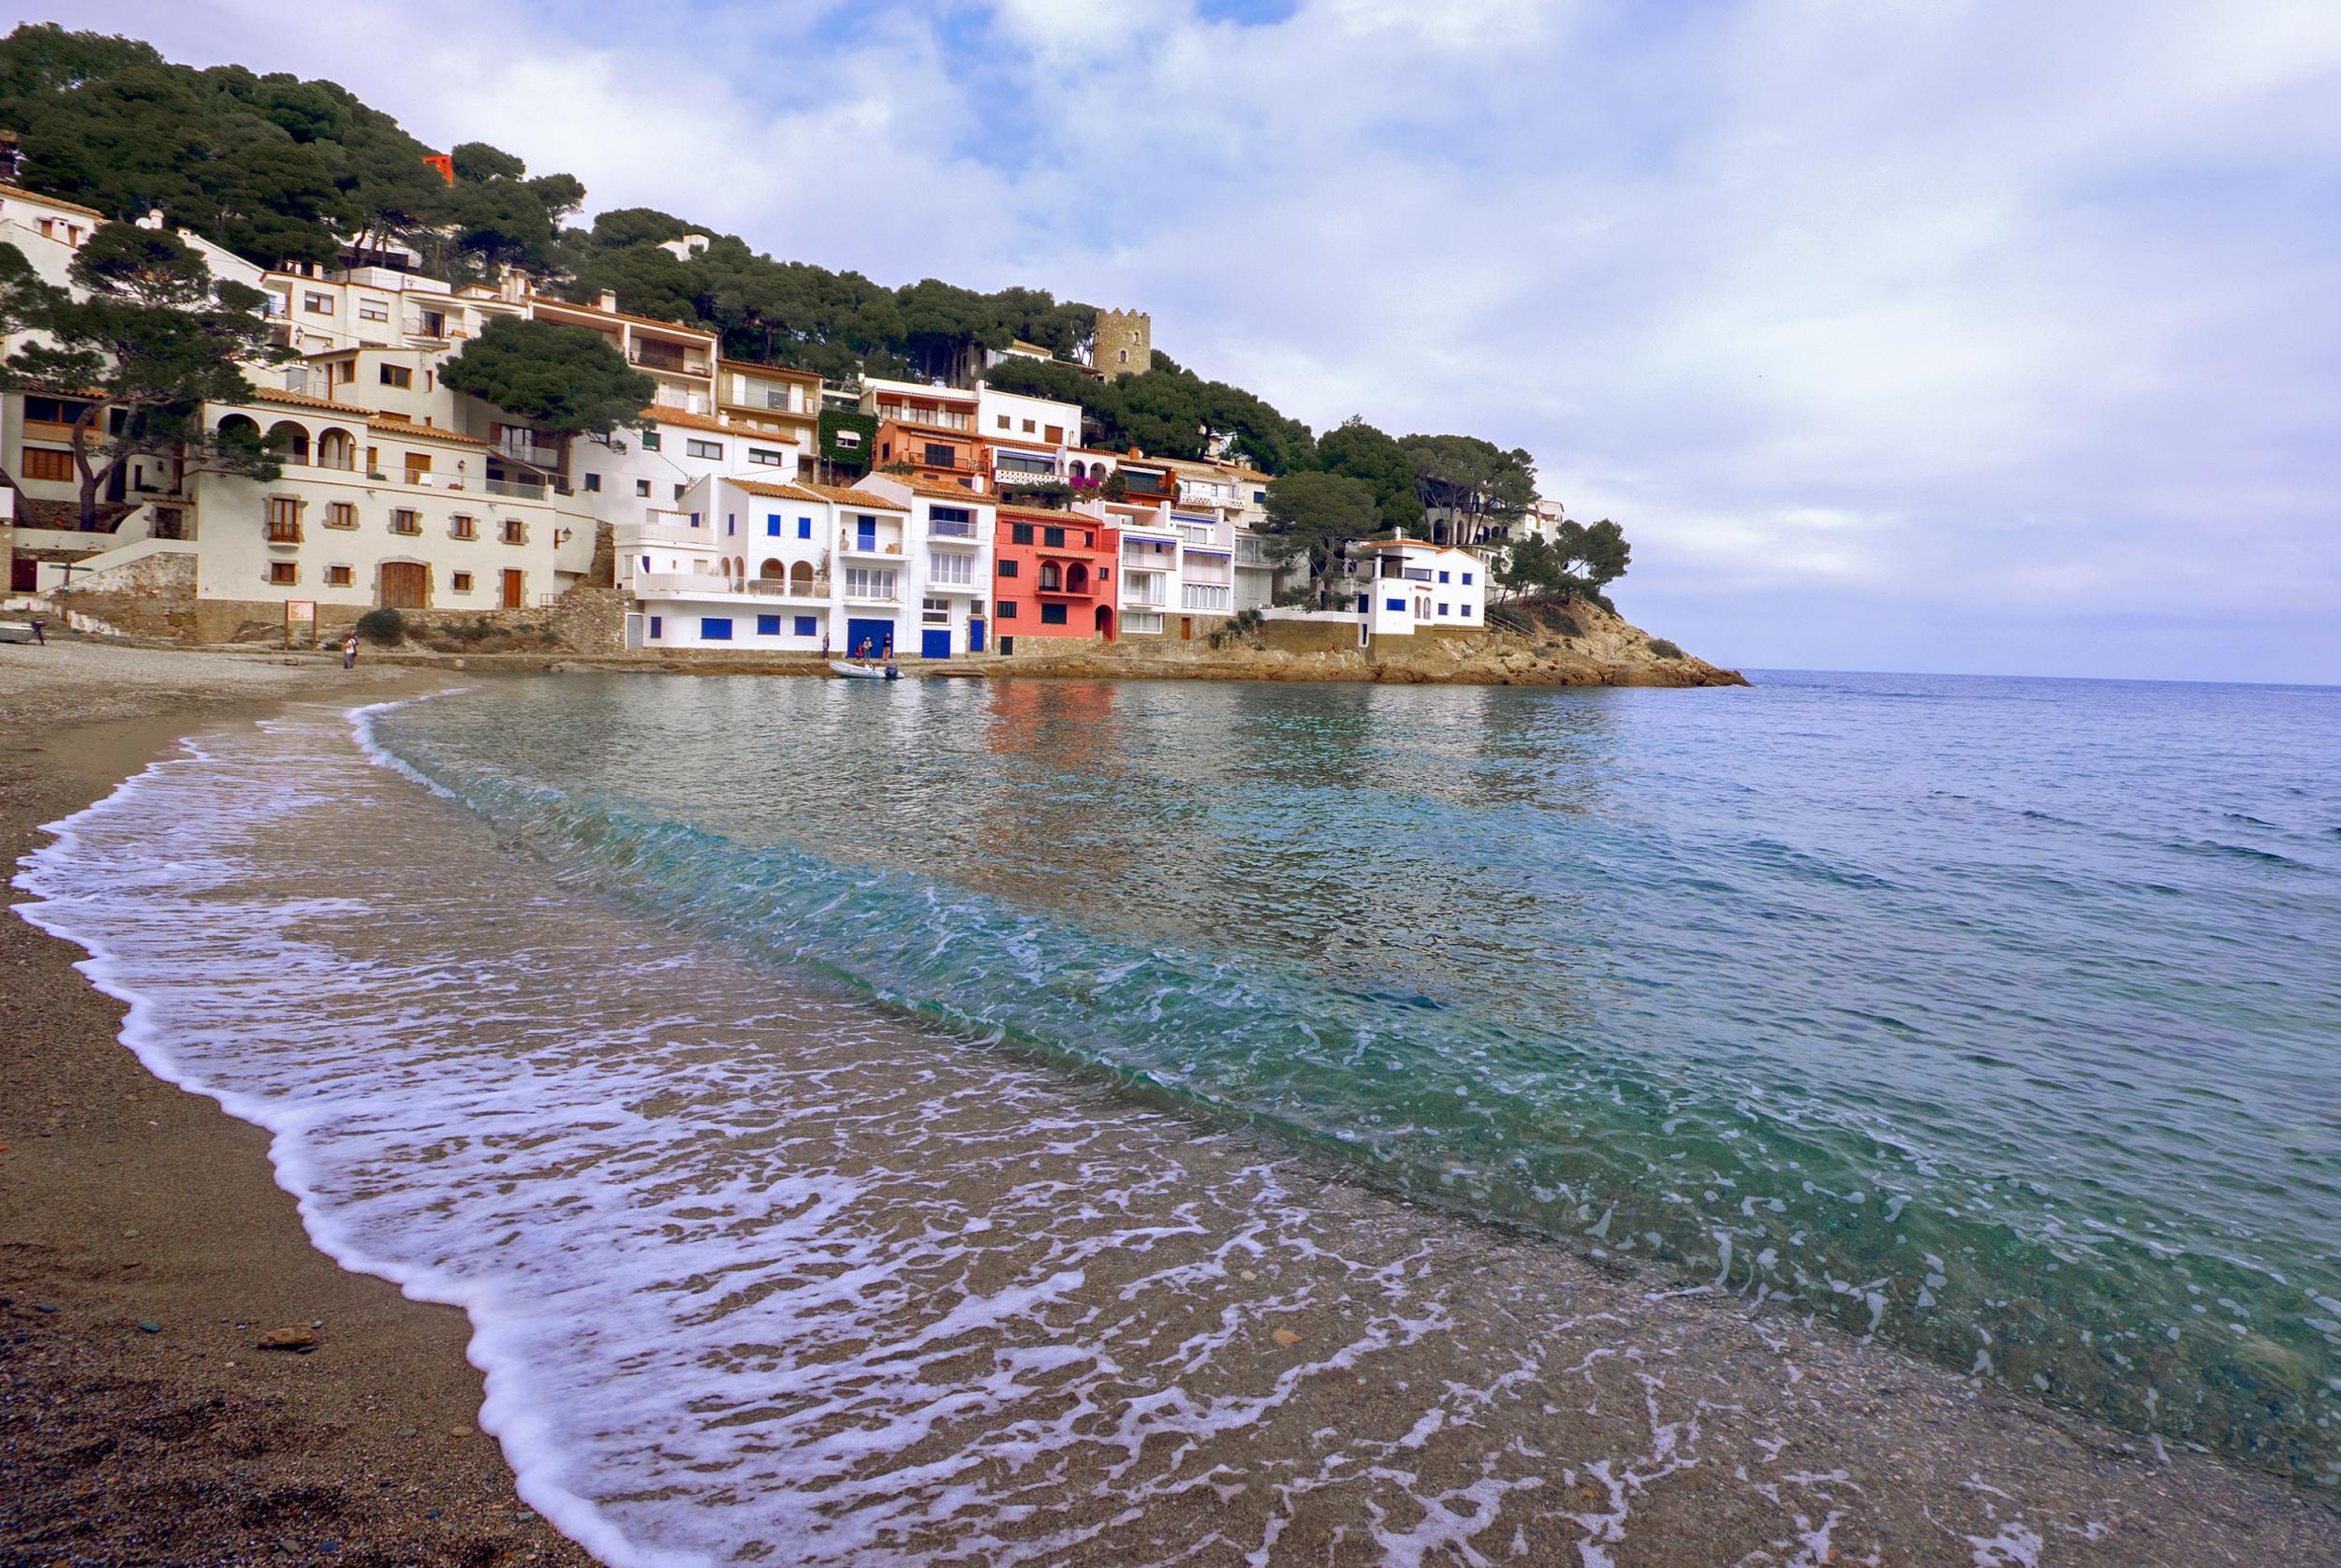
[1243,627]
[1562,622]
[1664,649]
[384,627]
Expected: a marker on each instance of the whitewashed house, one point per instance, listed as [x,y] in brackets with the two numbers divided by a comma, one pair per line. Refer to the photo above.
[1406,586]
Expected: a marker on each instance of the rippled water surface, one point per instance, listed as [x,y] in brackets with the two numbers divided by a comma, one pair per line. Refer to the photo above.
[1023,1122]
[1999,1017]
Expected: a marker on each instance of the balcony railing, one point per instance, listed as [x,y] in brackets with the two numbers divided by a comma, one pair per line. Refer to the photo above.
[776,588]
[660,532]
[673,362]
[859,545]
[283,532]
[518,490]
[1251,552]
[944,528]
[935,418]
[533,453]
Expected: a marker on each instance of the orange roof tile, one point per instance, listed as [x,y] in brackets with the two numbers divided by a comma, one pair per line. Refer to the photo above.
[777,492]
[922,485]
[302,400]
[413,431]
[52,200]
[845,497]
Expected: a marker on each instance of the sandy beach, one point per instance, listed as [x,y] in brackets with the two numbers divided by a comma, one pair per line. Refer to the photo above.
[124,1203]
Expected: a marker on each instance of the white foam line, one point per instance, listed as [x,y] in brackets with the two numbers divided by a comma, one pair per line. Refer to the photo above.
[525,1437]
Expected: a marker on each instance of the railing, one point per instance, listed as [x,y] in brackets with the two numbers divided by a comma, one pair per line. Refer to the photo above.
[1251,552]
[863,596]
[1017,474]
[283,532]
[777,588]
[674,363]
[1218,576]
[870,547]
[944,528]
[1197,533]
[675,397]
[659,534]
[346,464]
[529,452]
[938,419]
[522,490]
[1205,595]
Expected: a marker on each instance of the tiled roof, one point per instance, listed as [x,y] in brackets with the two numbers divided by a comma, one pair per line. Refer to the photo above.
[922,485]
[52,200]
[845,497]
[623,316]
[778,492]
[302,400]
[413,431]
[685,419]
[784,370]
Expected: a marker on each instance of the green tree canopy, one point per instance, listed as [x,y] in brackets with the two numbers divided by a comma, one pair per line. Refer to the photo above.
[154,336]
[565,380]
[1314,515]
[1358,450]
[1580,559]
[1483,486]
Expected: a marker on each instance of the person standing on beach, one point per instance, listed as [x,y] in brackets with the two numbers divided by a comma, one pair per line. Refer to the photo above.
[349,650]
[40,630]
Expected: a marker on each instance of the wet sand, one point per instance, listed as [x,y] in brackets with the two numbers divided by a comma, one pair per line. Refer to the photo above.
[123,1201]
[1630,1425]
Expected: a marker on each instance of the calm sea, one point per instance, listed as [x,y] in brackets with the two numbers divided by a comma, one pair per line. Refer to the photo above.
[1998,1020]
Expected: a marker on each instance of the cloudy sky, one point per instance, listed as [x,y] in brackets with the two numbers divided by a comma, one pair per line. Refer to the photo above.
[1900,334]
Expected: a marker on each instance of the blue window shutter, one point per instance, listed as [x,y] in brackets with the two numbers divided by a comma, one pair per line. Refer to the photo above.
[658,626]
[805,626]
[715,628]
[731,522]
[804,528]
[1395,604]
[771,526]
[1467,579]
[768,626]
[1442,610]
[1442,576]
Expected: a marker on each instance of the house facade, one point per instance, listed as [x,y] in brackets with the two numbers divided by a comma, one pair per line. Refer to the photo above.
[1056,574]
[1406,586]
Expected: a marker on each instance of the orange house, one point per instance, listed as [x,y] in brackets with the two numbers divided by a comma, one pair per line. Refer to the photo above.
[1053,575]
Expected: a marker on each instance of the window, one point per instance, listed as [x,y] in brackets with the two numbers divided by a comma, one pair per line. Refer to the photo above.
[771,526]
[461,581]
[658,626]
[341,513]
[336,577]
[766,457]
[940,456]
[768,626]
[41,463]
[53,410]
[1053,615]
[1028,427]
[284,520]
[704,450]
[283,574]
[934,612]
[1020,533]
[1442,576]
[461,527]
[1008,568]
[848,438]
[715,628]
[1007,610]
[678,495]
[1467,579]
[1462,609]
[1053,537]
[642,487]
[807,626]
[405,521]
[1055,434]
[593,482]
[317,304]
[515,532]
[1442,610]
[804,528]
[1003,422]
[1394,604]
[650,441]
[373,310]
[397,376]
[869,582]
[944,566]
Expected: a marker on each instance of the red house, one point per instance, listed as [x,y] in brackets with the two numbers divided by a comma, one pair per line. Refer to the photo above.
[1053,575]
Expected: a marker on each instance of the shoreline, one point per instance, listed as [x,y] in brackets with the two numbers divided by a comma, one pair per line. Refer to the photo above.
[127,1201]
[147,1203]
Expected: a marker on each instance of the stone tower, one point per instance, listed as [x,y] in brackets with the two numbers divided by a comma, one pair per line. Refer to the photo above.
[1124,344]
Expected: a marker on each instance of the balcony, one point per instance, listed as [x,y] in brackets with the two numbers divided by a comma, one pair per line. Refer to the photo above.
[518,447]
[945,529]
[933,418]
[676,398]
[670,361]
[867,544]
[775,588]
[1196,532]
[1008,473]
[651,585]
[517,490]
[663,528]
[871,594]
[1207,596]
[283,532]
[1251,552]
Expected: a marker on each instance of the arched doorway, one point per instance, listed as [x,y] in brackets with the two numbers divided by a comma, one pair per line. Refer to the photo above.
[1104,621]
[772,571]
[1076,579]
[1052,580]
[801,580]
[337,448]
[288,440]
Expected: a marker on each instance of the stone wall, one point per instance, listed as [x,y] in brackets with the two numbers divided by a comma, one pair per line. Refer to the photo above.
[150,597]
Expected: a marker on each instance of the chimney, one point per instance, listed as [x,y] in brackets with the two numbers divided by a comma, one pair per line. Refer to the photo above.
[607,299]
[10,154]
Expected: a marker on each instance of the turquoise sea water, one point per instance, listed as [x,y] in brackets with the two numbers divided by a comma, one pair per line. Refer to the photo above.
[2000,1019]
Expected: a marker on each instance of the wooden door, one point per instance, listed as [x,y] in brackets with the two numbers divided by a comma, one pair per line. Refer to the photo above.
[511,588]
[405,585]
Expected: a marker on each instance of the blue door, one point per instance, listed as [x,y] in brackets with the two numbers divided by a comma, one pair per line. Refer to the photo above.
[935,643]
[865,534]
[975,637]
[869,638]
